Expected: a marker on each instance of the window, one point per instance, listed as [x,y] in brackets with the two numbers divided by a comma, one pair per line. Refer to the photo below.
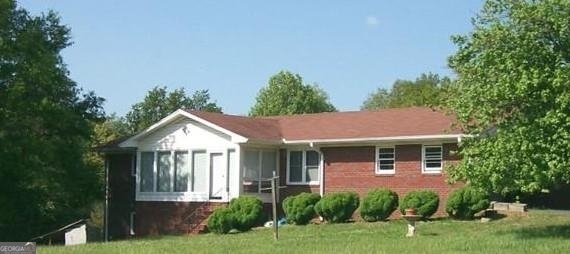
[259,166]
[147,172]
[164,171]
[303,167]
[181,171]
[385,160]
[163,178]
[432,159]
[200,171]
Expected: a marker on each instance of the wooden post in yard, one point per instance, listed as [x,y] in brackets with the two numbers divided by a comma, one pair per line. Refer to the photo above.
[274,204]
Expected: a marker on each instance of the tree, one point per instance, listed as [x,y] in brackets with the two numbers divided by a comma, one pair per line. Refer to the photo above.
[285,94]
[427,90]
[45,128]
[104,131]
[158,103]
[513,96]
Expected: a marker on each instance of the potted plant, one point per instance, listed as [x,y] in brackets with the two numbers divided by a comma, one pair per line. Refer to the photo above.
[410,211]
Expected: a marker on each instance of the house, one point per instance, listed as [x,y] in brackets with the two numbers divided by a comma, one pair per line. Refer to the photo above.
[169,177]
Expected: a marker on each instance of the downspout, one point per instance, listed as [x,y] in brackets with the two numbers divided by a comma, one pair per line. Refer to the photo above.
[322,168]
[106,224]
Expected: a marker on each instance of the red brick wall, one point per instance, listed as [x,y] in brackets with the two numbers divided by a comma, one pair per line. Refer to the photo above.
[156,218]
[353,169]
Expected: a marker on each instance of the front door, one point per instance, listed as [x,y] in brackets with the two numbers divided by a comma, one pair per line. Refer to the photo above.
[218,176]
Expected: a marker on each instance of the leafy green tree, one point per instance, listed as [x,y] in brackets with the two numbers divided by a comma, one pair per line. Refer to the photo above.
[427,90]
[45,126]
[104,131]
[285,94]
[159,103]
[513,96]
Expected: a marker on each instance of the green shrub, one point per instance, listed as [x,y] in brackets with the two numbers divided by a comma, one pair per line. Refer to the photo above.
[378,204]
[247,211]
[425,202]
[465,202]
[300,209]
[337,207]
[221,221]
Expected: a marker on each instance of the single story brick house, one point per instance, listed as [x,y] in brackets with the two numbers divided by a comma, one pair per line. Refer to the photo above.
[168,178]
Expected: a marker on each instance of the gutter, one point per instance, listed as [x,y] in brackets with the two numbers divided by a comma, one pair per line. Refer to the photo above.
[373,139]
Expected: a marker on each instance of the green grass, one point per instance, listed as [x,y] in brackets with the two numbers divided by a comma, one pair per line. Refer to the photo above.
[539,232]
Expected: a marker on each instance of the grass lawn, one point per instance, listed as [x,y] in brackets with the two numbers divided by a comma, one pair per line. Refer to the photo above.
[539,232]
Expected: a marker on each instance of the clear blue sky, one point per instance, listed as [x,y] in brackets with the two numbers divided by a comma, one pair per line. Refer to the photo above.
[349,48]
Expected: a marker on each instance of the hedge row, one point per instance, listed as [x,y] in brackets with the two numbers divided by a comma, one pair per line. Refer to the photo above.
[379,204]
[245,212]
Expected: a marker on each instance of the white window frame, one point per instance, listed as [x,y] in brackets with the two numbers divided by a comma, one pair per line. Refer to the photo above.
[171,171]
[304,167]
[378,159]
[431,170]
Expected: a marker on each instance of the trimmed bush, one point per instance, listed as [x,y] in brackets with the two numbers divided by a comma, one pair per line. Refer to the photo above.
[378,204]
[465,202]
[247,211]
[221,221]
[425,202]
[300,209]
[337,207]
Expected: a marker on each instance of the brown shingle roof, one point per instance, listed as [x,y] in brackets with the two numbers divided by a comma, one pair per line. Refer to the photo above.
[397,122]
[249,127]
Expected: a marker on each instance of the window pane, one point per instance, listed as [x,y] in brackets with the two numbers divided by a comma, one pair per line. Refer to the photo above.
[163,177]
[251,164]
[312,158]
[433,164]
[386,156]
[295,166]
[312,174]
[147,175]
[182,171]
[269,161]
[199,172]
[386,150]
[434,150]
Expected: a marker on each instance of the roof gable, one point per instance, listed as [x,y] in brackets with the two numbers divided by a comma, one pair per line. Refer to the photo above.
[132,141]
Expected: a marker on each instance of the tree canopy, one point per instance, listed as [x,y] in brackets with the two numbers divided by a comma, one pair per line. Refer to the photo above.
[427,90]
[45,126]
[285,94]
[159,103]
[513,96]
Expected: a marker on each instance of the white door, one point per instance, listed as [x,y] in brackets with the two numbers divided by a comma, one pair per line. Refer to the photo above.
[218,176]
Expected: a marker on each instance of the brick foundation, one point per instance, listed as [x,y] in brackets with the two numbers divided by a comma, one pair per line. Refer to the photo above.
[157,218]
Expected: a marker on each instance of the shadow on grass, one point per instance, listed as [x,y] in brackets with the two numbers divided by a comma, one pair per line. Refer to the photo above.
[428,234]
[551,231]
